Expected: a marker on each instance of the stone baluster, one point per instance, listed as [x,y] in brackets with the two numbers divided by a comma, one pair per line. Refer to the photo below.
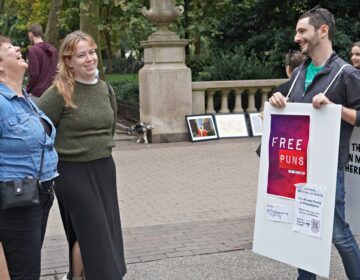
[210,101]
[251,100]
[224,101]
[264,97]
[238,103]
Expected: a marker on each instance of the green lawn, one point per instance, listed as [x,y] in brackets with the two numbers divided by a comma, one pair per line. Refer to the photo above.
[119,77]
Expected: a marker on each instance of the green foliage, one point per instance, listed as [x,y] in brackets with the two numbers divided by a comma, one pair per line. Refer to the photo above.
[69,19]
[345,36]
[124,65]
[199,20]
[261,31]
[126,91]
[260,26]
[121,77]
[265,31]
[238,65]
[197,64]
[133,26]
[17,15]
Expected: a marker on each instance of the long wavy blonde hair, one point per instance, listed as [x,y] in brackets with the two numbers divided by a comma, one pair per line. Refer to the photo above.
[65,79]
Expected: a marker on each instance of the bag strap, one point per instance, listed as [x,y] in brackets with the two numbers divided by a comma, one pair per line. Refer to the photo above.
[110,89]
[42,158]
[337,74]
[113,105]
[292,85]
[326,90]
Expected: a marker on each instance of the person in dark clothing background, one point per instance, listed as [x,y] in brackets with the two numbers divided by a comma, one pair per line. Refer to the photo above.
[42,60]
[292,60]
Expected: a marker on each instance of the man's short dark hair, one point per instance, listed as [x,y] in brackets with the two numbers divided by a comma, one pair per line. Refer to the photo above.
[319,16]
[36,30]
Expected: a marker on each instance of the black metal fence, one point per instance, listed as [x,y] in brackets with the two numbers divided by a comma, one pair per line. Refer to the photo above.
[129,112]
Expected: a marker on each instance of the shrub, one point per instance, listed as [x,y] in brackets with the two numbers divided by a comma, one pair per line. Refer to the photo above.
[238,65]
[123,65]
[197,64]
[126,92]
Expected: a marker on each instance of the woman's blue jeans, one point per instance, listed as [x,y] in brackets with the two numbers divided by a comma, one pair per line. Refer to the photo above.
[342,237]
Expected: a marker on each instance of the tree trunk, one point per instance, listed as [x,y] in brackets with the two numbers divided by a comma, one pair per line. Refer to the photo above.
[108,49]
[186,25]
[89,20]
[197,44]
[52,31]
[107,35]
[122,53]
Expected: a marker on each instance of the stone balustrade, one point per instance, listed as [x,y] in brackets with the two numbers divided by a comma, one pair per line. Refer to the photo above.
[231,96]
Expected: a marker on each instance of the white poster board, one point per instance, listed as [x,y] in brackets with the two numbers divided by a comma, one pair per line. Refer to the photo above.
[276,239]
[231,125]
[352,183]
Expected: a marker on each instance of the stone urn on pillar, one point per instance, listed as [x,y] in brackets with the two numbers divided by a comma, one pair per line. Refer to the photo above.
[162,13]
[165,81]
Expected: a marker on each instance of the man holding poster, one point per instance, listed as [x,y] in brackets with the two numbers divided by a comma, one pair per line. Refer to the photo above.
[323,79]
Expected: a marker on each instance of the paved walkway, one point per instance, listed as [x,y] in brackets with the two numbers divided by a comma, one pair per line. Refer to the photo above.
[187,212]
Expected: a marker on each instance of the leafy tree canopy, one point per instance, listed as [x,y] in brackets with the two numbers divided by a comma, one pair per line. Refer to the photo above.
[261,29]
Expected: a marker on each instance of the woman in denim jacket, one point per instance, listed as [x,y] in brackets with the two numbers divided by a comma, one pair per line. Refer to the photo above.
[25,132]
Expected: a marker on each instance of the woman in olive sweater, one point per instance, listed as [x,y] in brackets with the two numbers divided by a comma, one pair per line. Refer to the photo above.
[83,109]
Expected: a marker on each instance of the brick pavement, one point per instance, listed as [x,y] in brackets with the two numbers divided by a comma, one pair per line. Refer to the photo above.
[176,199]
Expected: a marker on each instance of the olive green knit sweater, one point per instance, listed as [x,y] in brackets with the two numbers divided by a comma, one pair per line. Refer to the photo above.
[86,132]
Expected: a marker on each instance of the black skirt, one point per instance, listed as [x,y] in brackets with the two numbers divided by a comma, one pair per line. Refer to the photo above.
[87,197]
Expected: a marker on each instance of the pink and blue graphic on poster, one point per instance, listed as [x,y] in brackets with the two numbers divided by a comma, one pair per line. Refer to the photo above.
[288,144]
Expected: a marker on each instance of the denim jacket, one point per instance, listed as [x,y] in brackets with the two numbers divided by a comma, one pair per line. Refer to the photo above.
[22,138]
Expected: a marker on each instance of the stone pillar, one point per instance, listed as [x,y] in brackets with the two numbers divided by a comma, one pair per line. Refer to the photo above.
[165,80]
